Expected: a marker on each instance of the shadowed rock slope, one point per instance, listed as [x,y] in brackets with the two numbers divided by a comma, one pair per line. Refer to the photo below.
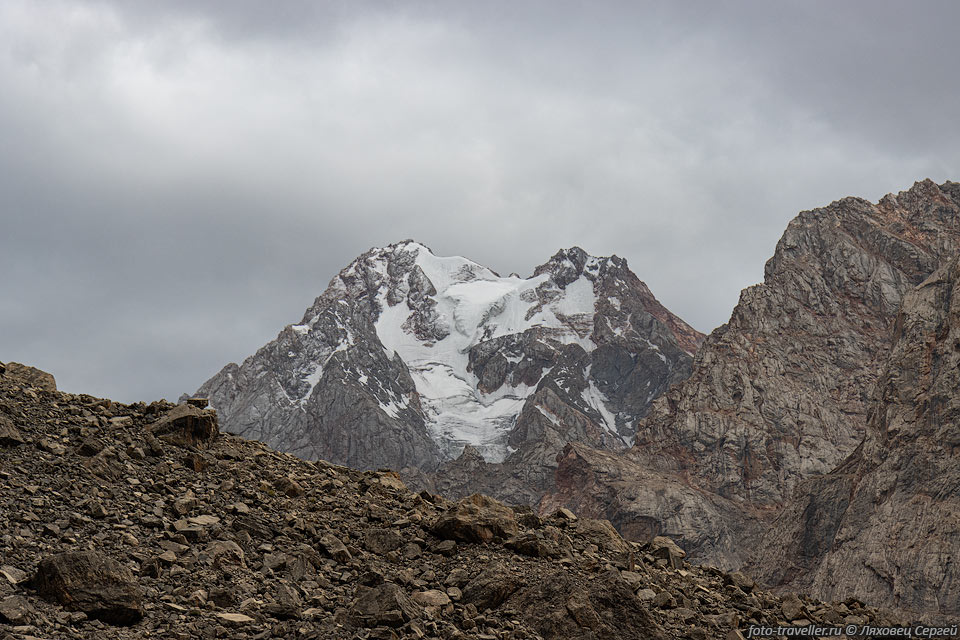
[129,521]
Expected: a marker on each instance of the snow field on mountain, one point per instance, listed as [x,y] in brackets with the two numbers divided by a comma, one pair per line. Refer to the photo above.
[473,304]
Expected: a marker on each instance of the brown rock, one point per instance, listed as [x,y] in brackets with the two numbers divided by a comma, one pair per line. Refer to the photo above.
[580,610]
[10,436]
[489,589]
[602,534]
[386,604]
[289,487]
[15,610]
[741,580]
[234,619]
[476,518]
[792,607]
[381,541]
[29,376]
[431,598]
[667,549]
[225,552]
[90,582]
[12,574]
[187,425]
[334,547]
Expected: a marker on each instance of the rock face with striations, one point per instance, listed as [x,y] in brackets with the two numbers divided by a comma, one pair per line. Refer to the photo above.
[885,525]
[780,394]
[410,360]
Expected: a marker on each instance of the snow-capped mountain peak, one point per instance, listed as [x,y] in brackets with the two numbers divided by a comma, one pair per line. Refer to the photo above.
[442,352]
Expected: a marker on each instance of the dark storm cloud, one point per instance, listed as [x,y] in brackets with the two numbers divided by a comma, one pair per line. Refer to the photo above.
[179,179]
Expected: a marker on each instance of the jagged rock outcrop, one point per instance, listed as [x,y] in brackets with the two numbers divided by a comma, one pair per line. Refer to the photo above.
[232,549]
[781,392]
[410,360]
[885,525]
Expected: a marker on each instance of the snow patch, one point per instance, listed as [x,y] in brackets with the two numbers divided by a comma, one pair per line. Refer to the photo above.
[595,398]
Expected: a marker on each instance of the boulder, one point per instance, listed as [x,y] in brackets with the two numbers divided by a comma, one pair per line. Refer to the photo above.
[387,604]
[431,598]
[602,534]
[93,583]
[741,580]
[15,610]
[10,436]
[792,607]
[489,589]
[666,549]
[381,541]
[334,547]
[476,518]
[288,486]
[187,426]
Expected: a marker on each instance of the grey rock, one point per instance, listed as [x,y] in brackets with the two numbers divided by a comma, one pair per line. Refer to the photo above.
[876,528]
[782,391]
[778,402]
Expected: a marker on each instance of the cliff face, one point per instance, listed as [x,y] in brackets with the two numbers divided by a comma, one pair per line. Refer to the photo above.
[781,392]
[886,524]
[780,397]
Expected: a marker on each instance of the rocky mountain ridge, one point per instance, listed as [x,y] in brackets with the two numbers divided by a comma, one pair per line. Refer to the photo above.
[763,446]
[131,521]
[409,360]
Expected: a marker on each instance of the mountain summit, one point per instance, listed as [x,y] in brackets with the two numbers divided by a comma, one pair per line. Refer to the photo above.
[408,357]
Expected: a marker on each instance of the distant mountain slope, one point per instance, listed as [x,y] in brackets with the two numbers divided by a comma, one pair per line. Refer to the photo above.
[408,357]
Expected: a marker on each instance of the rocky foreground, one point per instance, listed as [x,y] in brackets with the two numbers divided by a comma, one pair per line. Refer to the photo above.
[137,521]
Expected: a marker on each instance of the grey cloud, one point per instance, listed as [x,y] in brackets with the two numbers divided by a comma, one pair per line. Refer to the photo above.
[178,180]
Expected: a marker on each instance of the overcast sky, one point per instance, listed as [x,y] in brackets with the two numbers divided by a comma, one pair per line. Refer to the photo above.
[180,179]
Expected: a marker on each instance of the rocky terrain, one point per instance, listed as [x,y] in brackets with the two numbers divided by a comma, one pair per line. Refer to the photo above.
[886,523]
[462,379]
[134,521]
[767,442]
